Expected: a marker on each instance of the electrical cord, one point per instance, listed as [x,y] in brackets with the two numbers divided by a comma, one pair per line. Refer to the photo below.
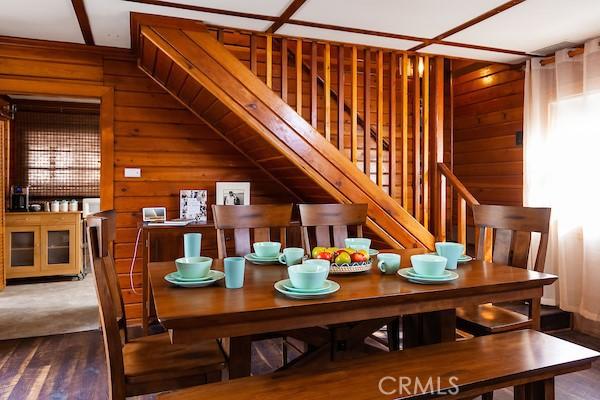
[135,248]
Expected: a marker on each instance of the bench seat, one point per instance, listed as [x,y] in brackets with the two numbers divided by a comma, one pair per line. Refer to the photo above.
[475,366]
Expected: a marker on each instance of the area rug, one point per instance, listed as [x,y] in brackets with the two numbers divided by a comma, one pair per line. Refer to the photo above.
[41,309]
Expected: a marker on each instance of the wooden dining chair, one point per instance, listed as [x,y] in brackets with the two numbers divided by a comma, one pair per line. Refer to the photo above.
[509,229]
[149,364]
[250,224]
[105,224]
[330,223]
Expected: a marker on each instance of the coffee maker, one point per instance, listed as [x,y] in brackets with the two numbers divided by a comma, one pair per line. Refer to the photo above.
[19,198]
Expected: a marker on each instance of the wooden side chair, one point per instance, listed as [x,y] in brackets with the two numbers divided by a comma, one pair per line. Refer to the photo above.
[149,364]
[330,223]
[105,224]
[250,224]
[509,229]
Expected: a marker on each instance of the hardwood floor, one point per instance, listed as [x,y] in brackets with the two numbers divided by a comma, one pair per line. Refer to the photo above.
[72,366]
[69,366]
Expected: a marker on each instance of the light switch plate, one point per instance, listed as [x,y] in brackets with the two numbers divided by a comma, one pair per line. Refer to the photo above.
[133,173]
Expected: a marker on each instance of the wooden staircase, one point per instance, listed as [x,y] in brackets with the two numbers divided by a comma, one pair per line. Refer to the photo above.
[194,67]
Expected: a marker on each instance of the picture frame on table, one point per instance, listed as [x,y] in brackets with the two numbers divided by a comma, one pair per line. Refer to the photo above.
[233,193]
[192,205]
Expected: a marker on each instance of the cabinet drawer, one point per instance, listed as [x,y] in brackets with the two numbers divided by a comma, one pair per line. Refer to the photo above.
[25,219]
[59,218]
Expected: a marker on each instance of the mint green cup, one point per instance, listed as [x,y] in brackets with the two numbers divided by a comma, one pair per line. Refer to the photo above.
[291,256]
[192,244]
[308,276]
[452,251]
[267,249]
[428,264]
[234,272]
[193,267]
[388,263]
[358,243]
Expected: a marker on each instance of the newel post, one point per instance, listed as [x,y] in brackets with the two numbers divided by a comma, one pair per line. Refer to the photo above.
[439,188]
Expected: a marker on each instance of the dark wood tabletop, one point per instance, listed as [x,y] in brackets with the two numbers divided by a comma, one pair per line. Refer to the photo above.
[258,308]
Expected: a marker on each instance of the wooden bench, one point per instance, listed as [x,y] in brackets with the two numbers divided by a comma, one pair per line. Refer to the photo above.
[527,359]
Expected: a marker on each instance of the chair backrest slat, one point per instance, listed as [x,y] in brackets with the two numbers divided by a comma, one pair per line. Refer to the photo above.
[331,219]
[522,243]
[262,235]
[113,345]
[241,238]
[323,235]
[340,233]
[502,245]
[250,224]
[512,228]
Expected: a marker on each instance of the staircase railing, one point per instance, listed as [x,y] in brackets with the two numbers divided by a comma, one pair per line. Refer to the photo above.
[211,80]
[344,91]
[464,199]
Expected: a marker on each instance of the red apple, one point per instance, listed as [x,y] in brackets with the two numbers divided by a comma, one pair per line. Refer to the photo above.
[358,257]
[324,255]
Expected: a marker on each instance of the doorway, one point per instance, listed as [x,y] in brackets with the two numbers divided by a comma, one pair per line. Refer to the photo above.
[54,156]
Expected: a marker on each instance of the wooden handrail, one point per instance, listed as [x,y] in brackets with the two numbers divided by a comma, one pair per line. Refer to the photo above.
[464,197]
[458,185]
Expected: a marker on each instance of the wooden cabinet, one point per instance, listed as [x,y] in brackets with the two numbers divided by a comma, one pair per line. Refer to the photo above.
[43,244]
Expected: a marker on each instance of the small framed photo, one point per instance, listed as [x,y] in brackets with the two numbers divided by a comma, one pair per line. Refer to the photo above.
[154,214]
[233,193]
[192,204]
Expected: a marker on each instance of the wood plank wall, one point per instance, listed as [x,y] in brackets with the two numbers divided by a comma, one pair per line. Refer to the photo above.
[488,113]
[152,131]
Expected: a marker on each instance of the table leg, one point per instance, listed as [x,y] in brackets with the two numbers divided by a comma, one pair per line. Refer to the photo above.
[535,310]
[428,328]
[542,390]
[240,356]
[393,334]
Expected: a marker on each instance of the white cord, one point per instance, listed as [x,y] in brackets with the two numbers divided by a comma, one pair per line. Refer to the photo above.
[137,242]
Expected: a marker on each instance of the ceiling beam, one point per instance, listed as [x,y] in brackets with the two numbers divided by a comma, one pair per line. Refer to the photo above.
[84,22]
[210,10]
[403,37]
[274,19]
[286,15]
[471,22]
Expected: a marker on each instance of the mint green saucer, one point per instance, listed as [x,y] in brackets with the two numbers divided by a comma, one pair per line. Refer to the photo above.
[287,284]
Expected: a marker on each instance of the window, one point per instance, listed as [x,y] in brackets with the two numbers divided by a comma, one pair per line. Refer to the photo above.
[57,149]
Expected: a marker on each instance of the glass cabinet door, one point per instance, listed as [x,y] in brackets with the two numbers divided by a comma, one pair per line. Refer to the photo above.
[58,247]
[23,251]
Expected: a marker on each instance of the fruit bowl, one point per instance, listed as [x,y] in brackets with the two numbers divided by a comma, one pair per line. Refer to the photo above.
[350,268]
[345,260]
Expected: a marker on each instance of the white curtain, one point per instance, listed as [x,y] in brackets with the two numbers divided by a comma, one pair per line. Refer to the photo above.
[561,167]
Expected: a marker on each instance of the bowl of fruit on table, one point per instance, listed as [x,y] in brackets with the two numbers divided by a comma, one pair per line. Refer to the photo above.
[343,260]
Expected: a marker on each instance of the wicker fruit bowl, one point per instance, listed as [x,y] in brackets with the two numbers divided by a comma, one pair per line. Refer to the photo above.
[350,268]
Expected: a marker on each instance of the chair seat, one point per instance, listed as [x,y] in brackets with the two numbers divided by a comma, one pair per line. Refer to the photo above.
[489,318]
[154,357]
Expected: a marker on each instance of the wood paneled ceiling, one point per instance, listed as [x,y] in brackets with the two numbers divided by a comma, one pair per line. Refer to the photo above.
[491,30]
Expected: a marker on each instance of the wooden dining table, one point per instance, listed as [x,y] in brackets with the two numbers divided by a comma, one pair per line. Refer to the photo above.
[215,312]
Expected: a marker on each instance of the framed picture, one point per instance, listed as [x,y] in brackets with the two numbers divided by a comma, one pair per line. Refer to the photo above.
[154,214]
[192,204]
[233,193]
